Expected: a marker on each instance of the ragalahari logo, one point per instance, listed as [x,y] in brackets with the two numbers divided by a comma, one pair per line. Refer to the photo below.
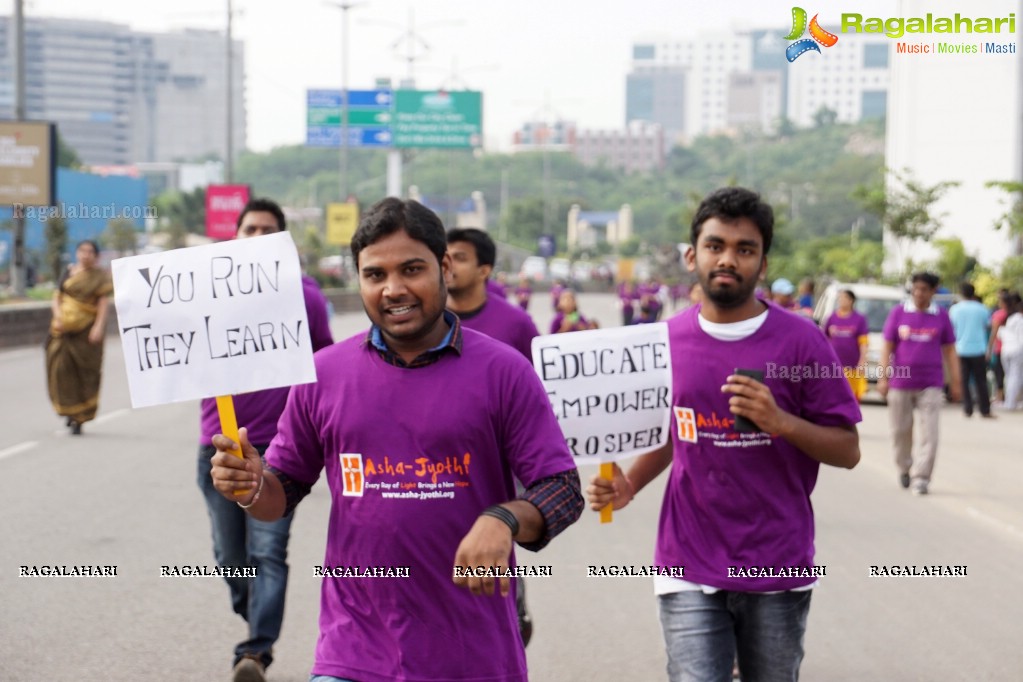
[818,35]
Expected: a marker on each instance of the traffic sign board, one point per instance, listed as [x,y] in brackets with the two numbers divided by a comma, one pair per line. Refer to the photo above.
[330,136]
[424,118]
[368,117]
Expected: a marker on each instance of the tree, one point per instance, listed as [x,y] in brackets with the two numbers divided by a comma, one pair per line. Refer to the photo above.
[67,157]
[181,214]
[1012,219]
[56,245]
[905,207]
[120,236]
[953,264]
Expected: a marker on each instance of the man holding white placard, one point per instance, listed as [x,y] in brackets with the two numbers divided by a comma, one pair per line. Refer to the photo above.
[746,446]
[420,426]
[238,539]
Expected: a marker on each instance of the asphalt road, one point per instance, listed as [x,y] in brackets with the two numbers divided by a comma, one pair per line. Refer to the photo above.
[125,495]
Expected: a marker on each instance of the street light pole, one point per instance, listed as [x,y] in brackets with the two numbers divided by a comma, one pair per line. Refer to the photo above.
[18,269]
[229,154]
[343,169]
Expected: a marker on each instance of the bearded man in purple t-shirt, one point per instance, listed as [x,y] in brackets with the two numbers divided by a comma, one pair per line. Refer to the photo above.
[420,427]
[918,341]
[743,458]
[239,540]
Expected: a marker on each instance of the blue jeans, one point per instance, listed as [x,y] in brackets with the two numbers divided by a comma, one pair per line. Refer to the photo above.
[240,540]
[704,633]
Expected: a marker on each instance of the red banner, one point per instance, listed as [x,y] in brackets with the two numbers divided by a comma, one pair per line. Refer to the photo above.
[223,205]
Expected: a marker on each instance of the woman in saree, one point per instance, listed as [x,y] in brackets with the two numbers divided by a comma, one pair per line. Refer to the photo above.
[74,347]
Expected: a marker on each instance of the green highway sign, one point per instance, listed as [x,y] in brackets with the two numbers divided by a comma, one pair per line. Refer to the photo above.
[323,117]
[367,117]
[437,118]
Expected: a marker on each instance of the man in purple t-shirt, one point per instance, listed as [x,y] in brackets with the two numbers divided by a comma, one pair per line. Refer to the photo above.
[420,427]
[744,457]
[239,540]
[918,339]
[473,254]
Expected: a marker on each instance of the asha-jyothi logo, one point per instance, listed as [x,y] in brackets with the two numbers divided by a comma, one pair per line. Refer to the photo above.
[817,35]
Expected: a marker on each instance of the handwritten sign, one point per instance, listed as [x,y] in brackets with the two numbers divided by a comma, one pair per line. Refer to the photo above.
[213,320]
[610,389]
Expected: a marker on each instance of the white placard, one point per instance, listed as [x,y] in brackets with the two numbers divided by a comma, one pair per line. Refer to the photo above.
[213,320]
[610,389]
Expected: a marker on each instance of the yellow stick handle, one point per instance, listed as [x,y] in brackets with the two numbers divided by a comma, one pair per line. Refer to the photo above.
[229,427]
[607,470]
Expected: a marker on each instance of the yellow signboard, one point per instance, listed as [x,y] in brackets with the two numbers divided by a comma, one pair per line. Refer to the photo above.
[342,219]
[27,162]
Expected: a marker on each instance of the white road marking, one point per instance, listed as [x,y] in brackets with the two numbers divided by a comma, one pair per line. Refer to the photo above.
[1001,525]
[18,449]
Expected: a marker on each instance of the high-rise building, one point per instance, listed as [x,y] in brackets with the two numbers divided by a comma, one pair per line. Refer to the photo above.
[720,82]
[119,96]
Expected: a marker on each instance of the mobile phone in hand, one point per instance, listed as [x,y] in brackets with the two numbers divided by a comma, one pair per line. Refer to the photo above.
[742,423]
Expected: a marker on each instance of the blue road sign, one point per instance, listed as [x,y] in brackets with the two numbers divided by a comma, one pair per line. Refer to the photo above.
[323,99]
[323,111]
[376,99]
[330,136]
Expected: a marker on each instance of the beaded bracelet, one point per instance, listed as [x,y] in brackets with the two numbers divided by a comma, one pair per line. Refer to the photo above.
[256,497]
[505,515]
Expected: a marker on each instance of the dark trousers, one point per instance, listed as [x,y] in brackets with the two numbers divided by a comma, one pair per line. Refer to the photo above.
[974,367]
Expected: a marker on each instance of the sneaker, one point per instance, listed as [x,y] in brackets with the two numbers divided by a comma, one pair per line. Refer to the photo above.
[919,488]
[249,669]
[904,480]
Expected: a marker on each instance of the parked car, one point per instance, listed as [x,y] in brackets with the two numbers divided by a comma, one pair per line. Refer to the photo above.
[534,268]
[560,268]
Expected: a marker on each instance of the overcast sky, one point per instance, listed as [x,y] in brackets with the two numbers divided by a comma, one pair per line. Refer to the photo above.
[569,57]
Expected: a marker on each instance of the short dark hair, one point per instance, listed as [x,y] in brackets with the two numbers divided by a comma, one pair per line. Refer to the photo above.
[728,204]
[486,250]
[849,293]
[94,245]
[390,215]
[967,290]
[928,278]
[262,204]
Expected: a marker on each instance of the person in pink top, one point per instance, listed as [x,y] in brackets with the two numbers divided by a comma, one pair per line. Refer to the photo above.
[744,456]
[918,341]
[239,540]
[994,345]
[420,427]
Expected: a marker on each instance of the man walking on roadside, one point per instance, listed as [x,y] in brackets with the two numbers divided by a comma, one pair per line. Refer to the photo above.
[918,340]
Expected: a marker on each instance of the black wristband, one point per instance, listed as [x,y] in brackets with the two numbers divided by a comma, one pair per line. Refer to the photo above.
[505,515]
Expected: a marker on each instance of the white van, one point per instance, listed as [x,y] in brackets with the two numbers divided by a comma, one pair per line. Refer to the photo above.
[534,268]
[873,301]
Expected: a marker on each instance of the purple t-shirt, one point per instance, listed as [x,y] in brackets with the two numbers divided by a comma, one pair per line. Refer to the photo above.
[411,457]
[496,288]
[505,322]
[743,499]
[581,324]
[258,411]
[844,334]
[918,338]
